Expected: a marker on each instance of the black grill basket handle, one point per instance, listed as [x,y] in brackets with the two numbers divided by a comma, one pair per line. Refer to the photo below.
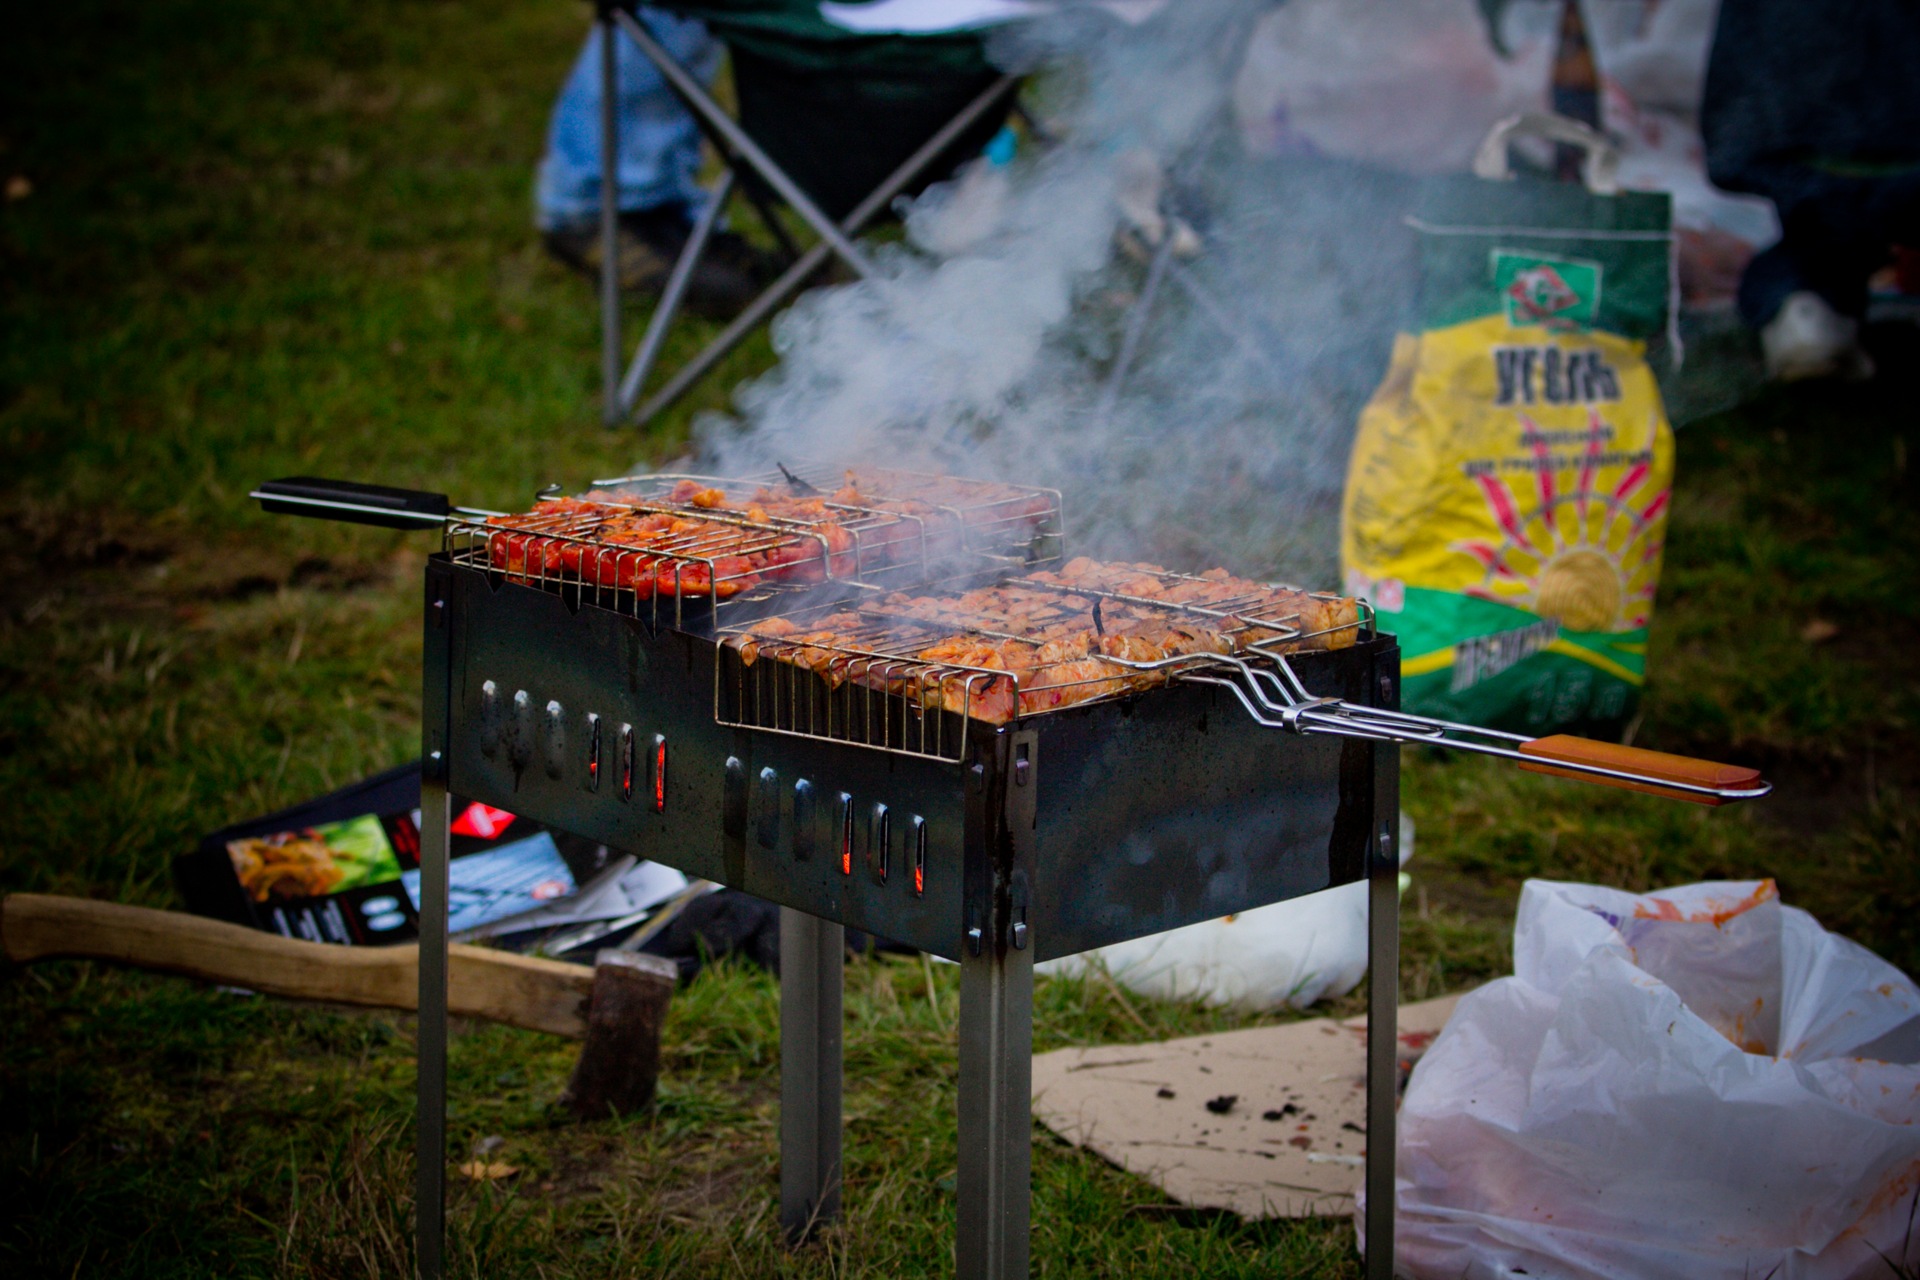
[355,503]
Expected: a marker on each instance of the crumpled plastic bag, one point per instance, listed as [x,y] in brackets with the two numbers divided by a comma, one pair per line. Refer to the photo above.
[1652,58]
[1408,84]
[1695,1083]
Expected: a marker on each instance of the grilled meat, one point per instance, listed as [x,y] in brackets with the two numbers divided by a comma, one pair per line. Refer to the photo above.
[1034,644]
[665,552]
[694,539]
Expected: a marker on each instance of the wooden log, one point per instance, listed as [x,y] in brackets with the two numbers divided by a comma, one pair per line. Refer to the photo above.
[620,1062]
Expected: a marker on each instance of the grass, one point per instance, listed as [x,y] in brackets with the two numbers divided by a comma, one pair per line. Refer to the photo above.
[294,238]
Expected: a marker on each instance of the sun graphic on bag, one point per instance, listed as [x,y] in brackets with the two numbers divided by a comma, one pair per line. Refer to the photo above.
[1586,553]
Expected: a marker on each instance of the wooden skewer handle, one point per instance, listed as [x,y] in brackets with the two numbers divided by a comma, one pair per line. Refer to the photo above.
[520,991]
[1650,764]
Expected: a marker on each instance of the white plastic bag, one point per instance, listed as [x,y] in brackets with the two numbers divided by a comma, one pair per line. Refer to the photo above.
[1691,1084]
[1408,84]
[1287,955]
[1652,57]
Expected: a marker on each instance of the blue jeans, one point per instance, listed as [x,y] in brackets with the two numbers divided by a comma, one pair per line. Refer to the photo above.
[659,144]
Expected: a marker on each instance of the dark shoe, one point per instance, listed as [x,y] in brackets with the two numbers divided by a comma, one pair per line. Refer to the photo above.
[640,265]
[730,273]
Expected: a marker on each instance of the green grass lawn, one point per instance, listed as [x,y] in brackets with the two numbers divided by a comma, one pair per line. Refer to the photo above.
[294,237]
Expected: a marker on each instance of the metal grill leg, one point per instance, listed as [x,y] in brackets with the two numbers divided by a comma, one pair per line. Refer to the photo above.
[430,1206]
[996,1112]
[1383,1009]
[812,952]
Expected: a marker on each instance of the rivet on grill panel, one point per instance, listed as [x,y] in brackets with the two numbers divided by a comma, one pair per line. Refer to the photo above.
[556,739]
[490,725]
[919,855]
[733,799]
[593,752]
[627,762]
[767,817]
[846,834]
[659,773]
[803,820]
[879,842]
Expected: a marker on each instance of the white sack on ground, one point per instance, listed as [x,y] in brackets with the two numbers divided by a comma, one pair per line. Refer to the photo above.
[1692,1084]
[1287,955]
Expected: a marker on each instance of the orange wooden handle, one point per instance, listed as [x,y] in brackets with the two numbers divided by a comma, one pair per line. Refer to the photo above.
[1651,764]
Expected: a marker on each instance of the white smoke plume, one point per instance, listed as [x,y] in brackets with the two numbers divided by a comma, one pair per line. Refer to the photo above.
[996,341]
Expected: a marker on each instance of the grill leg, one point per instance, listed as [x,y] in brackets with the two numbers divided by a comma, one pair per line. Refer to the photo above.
[1383,1009]
[430,1205]
[811,955]
[996,1112]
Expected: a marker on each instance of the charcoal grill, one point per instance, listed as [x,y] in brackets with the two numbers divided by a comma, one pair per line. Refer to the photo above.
[614,702]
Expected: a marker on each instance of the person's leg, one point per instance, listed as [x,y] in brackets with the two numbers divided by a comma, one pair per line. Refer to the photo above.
[1835,233]
[1807,294]
[1770,278]
[659,143]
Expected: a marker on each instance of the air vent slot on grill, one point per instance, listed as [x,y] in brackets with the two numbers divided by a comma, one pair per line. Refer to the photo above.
[593,752]
[879,842]
[659,773]
[846,834]
[556,740]
[491,725]
[767,815]
[804,831]
[919,855]
[733,800]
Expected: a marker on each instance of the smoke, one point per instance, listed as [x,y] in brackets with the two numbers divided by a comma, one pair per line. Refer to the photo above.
[1172,330]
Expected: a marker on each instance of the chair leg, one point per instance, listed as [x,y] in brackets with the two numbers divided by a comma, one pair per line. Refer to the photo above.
[769,218]
[1136,327]
[670,298]
[609,225]
[705,108]
[816,257]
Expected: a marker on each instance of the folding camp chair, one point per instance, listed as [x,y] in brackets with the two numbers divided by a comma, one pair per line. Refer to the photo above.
[755,29]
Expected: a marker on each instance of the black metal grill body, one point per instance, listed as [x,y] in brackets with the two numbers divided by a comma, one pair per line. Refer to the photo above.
[1059,832]
[1140,815]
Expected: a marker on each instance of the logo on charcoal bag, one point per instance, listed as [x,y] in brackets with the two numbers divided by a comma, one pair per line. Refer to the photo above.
[1557,293]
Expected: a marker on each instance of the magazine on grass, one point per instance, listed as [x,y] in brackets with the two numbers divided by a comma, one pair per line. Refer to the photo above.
[345,869]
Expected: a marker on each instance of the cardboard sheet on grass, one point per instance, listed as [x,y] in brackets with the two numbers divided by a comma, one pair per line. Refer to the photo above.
[1292,1142]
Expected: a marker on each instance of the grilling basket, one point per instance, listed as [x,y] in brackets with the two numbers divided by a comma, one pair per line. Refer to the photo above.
[803,586]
